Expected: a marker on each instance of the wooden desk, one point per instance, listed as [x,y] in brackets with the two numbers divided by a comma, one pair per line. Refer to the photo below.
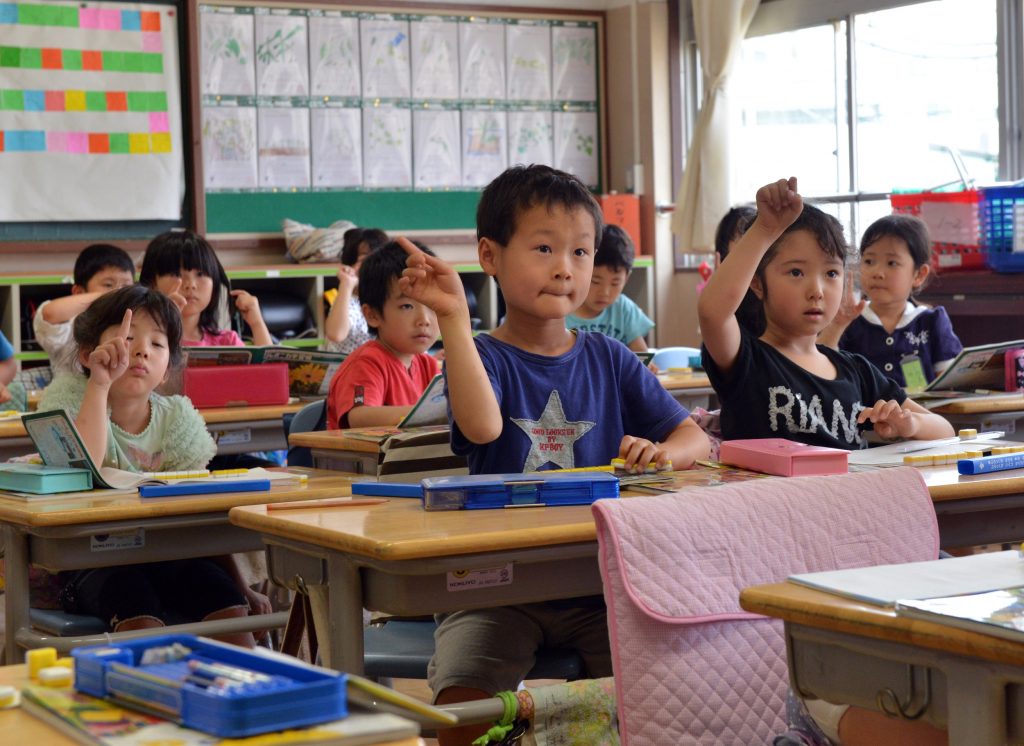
[333,449]
[691,389]
[19,727]
[75,533]
[396,557]
[997,412]
[236,430]
[846,651]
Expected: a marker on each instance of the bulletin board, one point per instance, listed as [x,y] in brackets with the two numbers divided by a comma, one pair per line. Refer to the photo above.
[389,117]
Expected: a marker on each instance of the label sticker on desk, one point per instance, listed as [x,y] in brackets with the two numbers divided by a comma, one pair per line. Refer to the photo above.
[470,580]
[135,539]
[231,437]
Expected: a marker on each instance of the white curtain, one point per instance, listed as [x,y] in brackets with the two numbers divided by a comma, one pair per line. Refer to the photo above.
[719,27]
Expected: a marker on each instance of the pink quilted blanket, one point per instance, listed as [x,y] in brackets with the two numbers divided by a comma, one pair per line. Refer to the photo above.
[691,667]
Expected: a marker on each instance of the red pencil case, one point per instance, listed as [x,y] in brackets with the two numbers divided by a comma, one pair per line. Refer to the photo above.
[237,385]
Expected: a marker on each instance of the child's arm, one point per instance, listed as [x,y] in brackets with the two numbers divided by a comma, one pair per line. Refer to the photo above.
[849,309]
[106,364]
[684,445]
[8,370]
[433,283]
[910,420]
[65,308]
[338,324]
[778,205]
[638,345]
[249,307]
[364,416]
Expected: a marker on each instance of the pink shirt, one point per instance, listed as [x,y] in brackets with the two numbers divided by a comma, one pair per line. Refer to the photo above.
[373,377]
[223,338]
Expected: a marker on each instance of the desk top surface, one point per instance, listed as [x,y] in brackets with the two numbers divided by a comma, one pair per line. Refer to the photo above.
[806,606]
[117,505]
[401,529]
[984,405]
[14,428]
[688,380]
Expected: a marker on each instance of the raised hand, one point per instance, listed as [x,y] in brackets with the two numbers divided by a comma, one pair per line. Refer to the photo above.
[174,293]
[778,205]
[348,280]
[852,305]
[432,282]
[248,305]
[109,360]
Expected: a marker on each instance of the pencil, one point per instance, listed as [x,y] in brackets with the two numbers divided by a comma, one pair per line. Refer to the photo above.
[342,502]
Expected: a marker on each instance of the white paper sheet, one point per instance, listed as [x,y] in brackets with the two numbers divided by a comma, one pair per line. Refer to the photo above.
[229,148]
[282,55]
[387,147]
[337,147]
[576,144]
[530,137]
[482,60]
[226,58]
[435,59]
[436,153]
[385,57]
[574,63]
[528,55]
[484,146]
[334,56]
[284,147]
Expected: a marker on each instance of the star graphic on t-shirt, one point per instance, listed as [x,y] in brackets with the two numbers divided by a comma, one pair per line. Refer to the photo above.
[551,436]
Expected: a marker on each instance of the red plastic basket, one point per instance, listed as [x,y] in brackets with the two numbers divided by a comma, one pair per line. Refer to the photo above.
[954,220]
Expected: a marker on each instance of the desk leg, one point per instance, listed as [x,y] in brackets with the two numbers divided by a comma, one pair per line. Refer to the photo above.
[976,703]
[16,597]
[342,642]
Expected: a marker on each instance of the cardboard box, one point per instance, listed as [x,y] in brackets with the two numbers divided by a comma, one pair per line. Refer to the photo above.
[623,210]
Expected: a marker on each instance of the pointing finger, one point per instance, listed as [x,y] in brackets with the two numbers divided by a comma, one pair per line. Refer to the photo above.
[126,324]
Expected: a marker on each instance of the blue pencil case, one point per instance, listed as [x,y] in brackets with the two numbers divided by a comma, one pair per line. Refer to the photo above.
[211,686]
[480,491]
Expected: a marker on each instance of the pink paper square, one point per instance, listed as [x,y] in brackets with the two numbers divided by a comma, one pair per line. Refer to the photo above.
[78,142]
[158,122]
[89,17]
[110,20]
[57,142]
[152,42]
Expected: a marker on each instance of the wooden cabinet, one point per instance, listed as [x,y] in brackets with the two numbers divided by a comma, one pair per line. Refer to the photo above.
[984,307]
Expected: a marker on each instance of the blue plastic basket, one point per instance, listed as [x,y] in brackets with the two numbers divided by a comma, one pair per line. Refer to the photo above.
[999,208]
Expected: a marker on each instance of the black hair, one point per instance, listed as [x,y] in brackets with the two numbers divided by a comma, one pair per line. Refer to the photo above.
[97,257]
[733,225]
[108,311]
[379,270]
[911,230]
[374,238]
[615,250]
[173,251]
[519,188]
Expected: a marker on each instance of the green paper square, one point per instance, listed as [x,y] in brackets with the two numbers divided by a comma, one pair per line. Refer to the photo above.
[10,57]
[95,101]
[38,15]
[152,63]
[69,16]
[71,59]
[31,58]
[118,142]
[113,62]
[133,62]
[158,101]
[12,100]
[138,101]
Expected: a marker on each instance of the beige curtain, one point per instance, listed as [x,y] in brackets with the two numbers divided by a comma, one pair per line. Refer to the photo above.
[719,27]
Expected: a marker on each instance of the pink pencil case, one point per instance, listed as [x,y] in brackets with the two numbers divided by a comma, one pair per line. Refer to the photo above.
[784,458]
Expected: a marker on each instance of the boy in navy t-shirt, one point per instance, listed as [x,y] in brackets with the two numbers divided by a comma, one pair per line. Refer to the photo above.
[534,395]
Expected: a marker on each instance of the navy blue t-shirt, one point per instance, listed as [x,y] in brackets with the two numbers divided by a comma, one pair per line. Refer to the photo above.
[569,410]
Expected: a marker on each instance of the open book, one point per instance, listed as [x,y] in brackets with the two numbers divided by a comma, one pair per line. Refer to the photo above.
[974,371]
[999,613]
[309,371]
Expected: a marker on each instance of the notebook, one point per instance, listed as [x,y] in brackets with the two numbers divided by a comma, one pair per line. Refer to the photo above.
[430,409]
[999,613]
[975,371]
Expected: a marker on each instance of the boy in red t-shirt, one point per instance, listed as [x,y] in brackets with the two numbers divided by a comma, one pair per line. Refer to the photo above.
[379,382]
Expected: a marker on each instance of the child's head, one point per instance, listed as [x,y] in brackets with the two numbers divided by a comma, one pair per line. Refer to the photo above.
[404,325]
[101,268]
[189,257]
[154,342]
[537,231]
[359,243]
[612,265]
[895,258]
[732,225]
[799,281]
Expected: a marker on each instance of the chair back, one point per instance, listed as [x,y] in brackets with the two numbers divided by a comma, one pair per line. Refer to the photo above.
[691,666]
[674,357]
[311,417]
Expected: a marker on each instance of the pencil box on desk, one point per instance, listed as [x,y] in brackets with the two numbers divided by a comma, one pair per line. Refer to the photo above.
[471,492]
[783,457]
[237,385]
[43,480]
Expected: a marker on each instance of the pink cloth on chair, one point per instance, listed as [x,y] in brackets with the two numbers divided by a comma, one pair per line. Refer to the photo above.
[691,667]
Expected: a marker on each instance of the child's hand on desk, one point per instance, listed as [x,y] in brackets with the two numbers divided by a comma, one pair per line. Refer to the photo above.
[348,280]
[890,420]
[778,205]
[109,361]
[247,305]
[638,453]
[432,282]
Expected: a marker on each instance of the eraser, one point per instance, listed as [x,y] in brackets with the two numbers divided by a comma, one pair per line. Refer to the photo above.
[39,659]
[55,676]
[967,433]
[8,697]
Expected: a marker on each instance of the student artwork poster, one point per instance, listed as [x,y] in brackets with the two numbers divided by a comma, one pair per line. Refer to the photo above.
[226,52]
[484,146]
[387,147]
[284,147]
[229,147]
[384,46]
[574,64]
[91,98]
[528,60]
[337,148]
[530,137]
[482,59]
[436,148]
[282,54]
[435,59]
[334,54]
[576,144]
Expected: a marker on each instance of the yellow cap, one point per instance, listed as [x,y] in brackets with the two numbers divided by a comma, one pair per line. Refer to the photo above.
[39,659]
[968,432]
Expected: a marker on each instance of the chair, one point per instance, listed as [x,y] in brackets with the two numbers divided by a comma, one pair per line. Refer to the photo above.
[311,417]
[690,665]
[674,357]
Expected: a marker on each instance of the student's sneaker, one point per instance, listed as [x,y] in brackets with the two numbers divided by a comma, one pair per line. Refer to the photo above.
[802,731]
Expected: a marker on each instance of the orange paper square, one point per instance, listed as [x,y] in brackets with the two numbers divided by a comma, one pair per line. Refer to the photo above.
[52,59]
[117,101]
[99,142]
[92,60]
[150,21]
